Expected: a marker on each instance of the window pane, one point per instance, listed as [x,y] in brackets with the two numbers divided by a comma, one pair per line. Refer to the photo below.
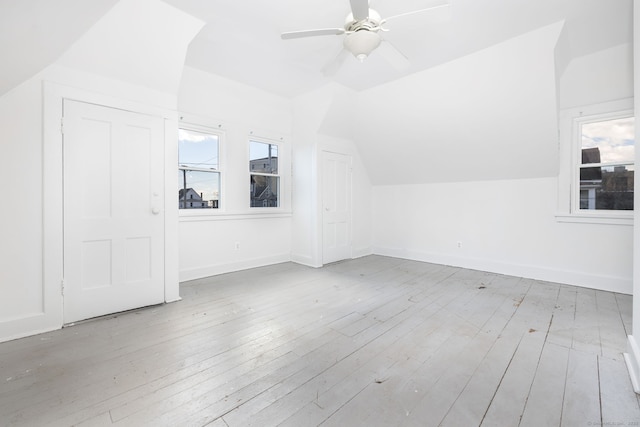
[197,149]
[264,191]
[608,141]
[607,188]
[263,157]
[198,189]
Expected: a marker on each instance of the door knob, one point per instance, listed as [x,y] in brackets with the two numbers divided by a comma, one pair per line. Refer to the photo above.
[155,211]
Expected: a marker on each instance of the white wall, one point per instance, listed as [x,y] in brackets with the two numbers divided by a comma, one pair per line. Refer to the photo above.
[503,213]
[507,227]
[308,112]
[208,239]
[362,213]
[21,217]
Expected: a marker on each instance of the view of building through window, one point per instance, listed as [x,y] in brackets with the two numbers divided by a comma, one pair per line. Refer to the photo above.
[198,175]
[607,164]
[264,180]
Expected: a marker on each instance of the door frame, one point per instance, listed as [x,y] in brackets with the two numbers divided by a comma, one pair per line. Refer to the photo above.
[53,201]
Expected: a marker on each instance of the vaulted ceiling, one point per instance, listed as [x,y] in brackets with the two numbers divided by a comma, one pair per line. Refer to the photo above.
[481,71]
[34,33]
[241,39]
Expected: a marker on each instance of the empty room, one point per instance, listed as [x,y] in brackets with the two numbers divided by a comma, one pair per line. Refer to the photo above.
[338,213]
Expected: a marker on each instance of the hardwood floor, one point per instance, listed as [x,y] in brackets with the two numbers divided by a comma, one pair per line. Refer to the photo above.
[374,341]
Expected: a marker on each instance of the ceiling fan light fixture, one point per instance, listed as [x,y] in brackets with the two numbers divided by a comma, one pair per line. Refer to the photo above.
[362,43]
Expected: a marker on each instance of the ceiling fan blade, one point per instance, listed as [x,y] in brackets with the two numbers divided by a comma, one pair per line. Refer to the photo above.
[360,9]
[393,56]
[435,4]
[332,67]
[312,33]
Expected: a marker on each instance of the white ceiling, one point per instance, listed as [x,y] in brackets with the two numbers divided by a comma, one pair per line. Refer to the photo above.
[34,33]
[241,39]
[481,70]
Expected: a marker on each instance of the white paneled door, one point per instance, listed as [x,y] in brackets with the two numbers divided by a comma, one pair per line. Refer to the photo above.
[336,207]
[113,210]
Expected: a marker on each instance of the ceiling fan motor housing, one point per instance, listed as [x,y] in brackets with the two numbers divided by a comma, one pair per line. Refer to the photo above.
[370,23]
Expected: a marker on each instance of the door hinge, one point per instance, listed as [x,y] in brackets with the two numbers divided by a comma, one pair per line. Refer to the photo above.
[62,287]
[62,125]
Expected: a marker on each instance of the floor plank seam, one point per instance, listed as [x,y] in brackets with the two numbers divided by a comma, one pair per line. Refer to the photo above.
[500,382]
[624,326]
[524,408]
[599,390]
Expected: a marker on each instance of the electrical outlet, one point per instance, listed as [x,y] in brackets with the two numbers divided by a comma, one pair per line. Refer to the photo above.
[237,246]
[459,244]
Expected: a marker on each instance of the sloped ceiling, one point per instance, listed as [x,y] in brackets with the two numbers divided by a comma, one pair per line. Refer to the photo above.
[143,42]
[241,39]
[478,102]
[34,33]
[489,115]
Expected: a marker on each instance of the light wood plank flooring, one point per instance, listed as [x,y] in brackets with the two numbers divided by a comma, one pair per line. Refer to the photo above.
[374,341]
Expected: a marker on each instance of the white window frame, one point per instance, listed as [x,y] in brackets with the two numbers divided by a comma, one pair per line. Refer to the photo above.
[200,125]
[278,175]
[570,159]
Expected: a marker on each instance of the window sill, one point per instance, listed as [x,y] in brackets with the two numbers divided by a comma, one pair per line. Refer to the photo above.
[596,218]
[223,216]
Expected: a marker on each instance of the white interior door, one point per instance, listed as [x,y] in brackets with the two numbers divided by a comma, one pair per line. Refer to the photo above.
[113,218]
[336,204]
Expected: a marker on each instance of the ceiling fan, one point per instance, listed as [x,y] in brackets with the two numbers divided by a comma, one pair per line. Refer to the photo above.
[362,30]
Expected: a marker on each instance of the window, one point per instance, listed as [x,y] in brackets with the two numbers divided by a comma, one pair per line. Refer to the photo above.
[596,163]
[605,169]
[198,169]
[264,174]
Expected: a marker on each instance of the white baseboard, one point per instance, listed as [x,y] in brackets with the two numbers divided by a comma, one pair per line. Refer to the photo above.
[632,357]
[305,260]
[309,262]
[214,270]
[32,324]
[621,285]
[360,252]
